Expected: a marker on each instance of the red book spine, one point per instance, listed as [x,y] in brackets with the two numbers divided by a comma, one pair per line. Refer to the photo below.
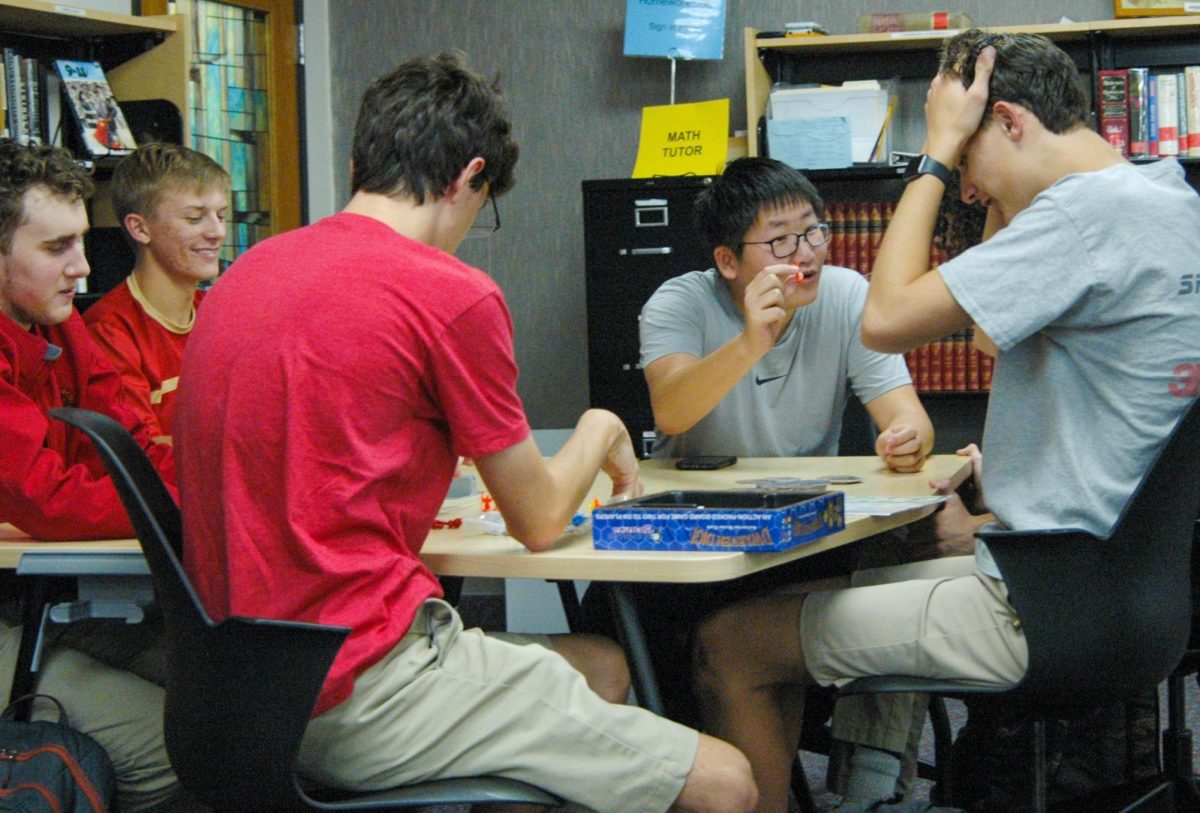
[960,362]
[851,236]
[1113,103]
[973,369]
[935,366]
[987,363]
[923,368]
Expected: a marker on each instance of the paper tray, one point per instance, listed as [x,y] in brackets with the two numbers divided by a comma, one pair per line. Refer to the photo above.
[746,520]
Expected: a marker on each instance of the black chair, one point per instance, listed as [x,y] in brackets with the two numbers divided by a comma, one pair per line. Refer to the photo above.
[1178,761]
[240,693]
[1104,619]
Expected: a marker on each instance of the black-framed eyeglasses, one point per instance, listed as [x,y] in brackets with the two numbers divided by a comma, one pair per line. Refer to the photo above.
[785,245]
[495,226]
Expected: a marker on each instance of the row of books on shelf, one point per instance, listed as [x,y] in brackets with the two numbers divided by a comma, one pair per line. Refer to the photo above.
[1149,114]
[949,365]
[855,231]
[952,364]
[32,95]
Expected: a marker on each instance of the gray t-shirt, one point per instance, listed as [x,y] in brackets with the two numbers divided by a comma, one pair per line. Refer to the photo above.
[791,403]
[1090,296]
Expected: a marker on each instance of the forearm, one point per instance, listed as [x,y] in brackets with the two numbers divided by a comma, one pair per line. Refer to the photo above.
[691,389]
[902,258]
[537,497]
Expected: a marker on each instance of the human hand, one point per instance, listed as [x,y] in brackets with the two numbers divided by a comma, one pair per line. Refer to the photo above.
[621,465]
[900,448]
[953,113]
[975,491]
[950,531]
[768,300]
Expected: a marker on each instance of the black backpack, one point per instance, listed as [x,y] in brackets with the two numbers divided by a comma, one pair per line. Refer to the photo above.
[49,766]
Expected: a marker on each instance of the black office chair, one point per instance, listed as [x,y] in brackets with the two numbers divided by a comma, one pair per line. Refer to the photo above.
[1104,619]
[240,693]
[1178,761]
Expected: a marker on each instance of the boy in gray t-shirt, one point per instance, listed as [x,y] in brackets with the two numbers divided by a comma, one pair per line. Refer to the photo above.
[1086,290]
[756,356]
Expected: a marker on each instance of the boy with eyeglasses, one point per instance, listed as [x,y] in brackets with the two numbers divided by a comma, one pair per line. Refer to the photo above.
[757,356]
[316,445]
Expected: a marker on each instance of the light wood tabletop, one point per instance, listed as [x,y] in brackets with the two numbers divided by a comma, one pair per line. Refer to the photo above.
[468,551]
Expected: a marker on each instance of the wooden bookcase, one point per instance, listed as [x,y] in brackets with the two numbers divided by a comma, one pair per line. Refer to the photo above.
[1093,45]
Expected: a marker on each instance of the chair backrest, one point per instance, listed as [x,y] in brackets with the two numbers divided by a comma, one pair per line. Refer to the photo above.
[239,693]
[1105,618]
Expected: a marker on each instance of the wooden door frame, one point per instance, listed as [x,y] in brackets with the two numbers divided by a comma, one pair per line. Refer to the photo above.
[283,147]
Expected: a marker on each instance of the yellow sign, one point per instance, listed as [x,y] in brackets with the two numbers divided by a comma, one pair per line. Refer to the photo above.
[683,139]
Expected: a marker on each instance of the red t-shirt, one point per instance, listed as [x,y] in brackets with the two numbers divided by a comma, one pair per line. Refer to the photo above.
[53,484]
[146,352]
[338,372]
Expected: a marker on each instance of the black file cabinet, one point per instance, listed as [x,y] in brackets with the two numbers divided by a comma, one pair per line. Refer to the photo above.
[637,234]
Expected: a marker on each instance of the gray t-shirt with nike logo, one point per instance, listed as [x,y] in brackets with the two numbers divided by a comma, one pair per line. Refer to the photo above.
[791,403]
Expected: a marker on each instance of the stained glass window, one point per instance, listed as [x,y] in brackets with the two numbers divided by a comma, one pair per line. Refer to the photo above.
[227,95]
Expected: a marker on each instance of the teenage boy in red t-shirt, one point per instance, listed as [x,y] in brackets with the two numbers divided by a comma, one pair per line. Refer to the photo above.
[339,372]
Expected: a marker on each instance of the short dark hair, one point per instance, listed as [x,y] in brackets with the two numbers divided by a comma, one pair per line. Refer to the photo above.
[727,209]
[22,167]
[142,176]
[420,124]
[1030,71]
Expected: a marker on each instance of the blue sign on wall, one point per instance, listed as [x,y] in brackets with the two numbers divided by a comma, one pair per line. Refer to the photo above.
[684,29]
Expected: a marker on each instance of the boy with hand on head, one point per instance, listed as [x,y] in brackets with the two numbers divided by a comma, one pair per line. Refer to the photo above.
[1090,326]
[53,484]
[316,462]
[172,202]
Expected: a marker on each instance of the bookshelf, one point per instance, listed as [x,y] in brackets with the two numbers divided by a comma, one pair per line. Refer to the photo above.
[1095,45]
[144,58]
[913,58]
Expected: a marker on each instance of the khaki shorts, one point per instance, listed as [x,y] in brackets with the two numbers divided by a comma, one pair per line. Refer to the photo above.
[918,619]
[449,702]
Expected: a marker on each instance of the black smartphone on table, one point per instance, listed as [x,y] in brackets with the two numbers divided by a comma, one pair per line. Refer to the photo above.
[705,462]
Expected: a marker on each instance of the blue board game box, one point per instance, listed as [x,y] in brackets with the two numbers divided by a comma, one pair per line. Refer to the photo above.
[747,520]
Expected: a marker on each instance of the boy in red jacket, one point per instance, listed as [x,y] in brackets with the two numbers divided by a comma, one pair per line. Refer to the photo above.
[52,482]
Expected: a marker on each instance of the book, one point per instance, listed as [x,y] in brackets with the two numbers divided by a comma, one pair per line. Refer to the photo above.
[1152,107]
[1168,115]
[1139,112]
[102,128]
[1191,92]
[1114,108]
[927,21]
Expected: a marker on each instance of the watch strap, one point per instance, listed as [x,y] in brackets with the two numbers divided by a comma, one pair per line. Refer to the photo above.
[925,165]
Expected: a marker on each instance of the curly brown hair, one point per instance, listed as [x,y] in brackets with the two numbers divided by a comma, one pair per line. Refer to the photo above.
[23,167]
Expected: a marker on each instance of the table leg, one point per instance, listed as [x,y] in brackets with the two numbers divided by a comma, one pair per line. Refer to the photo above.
[33,619]
[633,640]
[570,605]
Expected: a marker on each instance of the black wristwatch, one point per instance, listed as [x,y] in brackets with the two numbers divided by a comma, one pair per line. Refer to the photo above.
[924,165]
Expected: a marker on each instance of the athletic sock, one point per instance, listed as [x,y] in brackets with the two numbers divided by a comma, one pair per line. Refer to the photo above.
[872,777]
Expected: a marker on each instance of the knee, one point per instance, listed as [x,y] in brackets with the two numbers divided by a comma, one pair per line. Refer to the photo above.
[721,781]
[599,660]
[713,656]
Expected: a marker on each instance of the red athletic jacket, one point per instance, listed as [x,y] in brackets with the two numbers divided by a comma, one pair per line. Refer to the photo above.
[52,482]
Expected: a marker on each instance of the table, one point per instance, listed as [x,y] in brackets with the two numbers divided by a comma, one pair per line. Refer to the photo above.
[470,552]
